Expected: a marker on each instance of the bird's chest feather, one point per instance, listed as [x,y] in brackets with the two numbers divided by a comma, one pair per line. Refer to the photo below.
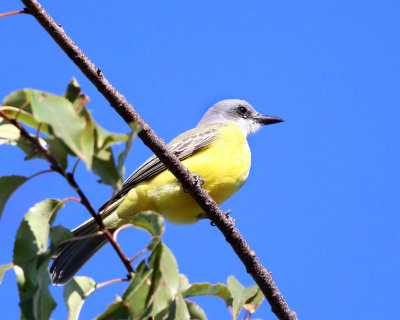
[224,165]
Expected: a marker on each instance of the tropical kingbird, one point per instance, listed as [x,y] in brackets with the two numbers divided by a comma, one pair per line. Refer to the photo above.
[216,151]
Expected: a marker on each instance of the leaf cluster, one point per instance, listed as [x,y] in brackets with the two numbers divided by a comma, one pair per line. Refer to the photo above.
[65,127]
[59,129]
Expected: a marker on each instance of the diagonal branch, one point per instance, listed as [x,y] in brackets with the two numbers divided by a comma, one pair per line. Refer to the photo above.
[55,166]
[253,266]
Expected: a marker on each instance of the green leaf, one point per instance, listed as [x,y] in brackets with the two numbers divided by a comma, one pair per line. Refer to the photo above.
[106,139]
[178,309]
[68,119]
[103,162]
[73,91]
[104,154]
[31,151]
[8,133]
[246,295]
[165,279]
[59,151]
[162,315]
[208,289]
[78,99]
[115,311]
[87,143]
[151,222]
[240,294]
[254,302]
[31,259]
[8,185]
[59,113]
[13,103]
[33,233]
[154,290]
[20,98]
[23,116]
[124,153]
[27,118]
[195,311]
[59,234]
[235,286]
[137,294]
[75,293]
[107,171]
[236,289]
[183,282]
[4,268]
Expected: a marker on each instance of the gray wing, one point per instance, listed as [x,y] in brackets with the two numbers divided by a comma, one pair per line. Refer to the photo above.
[183,146]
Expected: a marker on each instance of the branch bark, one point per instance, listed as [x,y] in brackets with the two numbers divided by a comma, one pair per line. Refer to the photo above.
[253,266]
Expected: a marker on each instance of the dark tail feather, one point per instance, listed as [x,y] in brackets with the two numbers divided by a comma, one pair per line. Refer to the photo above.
[73,255]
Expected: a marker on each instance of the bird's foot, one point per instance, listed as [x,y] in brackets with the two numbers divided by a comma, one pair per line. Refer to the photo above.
[198,182]
[227,215]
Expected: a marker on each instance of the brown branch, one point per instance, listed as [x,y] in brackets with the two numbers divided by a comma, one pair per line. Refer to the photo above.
[34,141]
[55,166]
[253,266]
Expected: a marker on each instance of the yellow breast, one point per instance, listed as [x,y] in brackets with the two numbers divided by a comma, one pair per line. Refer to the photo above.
[224,165]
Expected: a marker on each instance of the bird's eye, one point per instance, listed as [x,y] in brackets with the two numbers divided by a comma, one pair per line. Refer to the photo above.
[242,110]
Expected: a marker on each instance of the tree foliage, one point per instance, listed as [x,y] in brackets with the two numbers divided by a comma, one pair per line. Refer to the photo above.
[57,129]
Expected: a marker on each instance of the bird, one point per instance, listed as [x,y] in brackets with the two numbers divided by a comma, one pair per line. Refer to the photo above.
[215,151]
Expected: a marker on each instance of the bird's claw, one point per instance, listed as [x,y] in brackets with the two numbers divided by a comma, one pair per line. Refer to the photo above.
[227,215]
[198,182]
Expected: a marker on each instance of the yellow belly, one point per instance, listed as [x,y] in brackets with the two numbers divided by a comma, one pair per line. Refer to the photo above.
[224,165]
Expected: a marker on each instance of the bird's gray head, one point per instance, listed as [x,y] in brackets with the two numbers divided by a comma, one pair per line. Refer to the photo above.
[238,112]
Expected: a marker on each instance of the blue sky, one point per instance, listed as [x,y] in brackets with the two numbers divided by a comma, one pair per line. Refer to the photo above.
[321,204]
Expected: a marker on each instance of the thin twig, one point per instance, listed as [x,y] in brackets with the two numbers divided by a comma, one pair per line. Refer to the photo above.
[21,109]
[38,131]
[119,229]
[137,255]
[71,199]
[231,311]
[75,166]
[11,13]
[253,266]
[54,164]
[39,173]
[102,284]
[105,283]
[99,221]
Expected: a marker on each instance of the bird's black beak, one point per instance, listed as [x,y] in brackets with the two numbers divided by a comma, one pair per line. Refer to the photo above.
[265,120]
